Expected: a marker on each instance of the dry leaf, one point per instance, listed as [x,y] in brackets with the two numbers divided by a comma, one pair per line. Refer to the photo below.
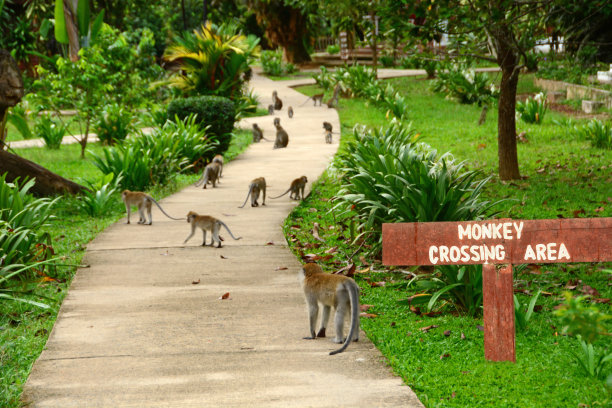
[364,308]
[348,270]
[332,250]
[447,333]
[445,355]
[225,296]
[281,268]
[599,300]
[367,315]
[270,243]
[223,257]
[378,284]
[315,232]
[462,336]
[428,328]
[195,282]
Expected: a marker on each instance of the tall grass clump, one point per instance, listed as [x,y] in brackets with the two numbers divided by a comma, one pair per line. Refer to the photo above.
[533,109]
[598,133]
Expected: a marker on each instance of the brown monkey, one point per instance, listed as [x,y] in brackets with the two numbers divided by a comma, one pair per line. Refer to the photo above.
[337,291]
[276,122]
[327,126]
[219,159]
[207,223]
[210,173]
[328,138]
[257,133]
[282,138]
[270,109]
[296,186]
[278,104]
[257,185]
[315,98]
[142,201]
[333,101]
[290,112]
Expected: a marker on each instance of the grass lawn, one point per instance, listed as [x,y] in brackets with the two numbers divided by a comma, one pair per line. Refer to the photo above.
[24,329]
[564,177]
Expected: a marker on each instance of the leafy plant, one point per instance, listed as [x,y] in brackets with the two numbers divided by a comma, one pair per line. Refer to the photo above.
[215,111]
[50,131]
[18,117]
[114,124]
[272,63]
[465,85]
[581,320]
[99,199]
[522,316]
[213,60]
[598,133]
[333,49]
[588,360]
[532,110]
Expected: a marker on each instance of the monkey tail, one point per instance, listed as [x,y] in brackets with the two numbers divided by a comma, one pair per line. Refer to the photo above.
[205,176]
[306,101]
[228,230]
[197,183]
[247,197]
[162,210]
[288,190]
[353,291]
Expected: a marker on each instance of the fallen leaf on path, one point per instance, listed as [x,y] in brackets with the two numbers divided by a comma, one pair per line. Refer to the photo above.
[428,328]
[281,268]
[195,282]
[223,257]
[348,270]
[378,284]
[600,300]
[332,250]
[225,296]
[367,315]
[270,243]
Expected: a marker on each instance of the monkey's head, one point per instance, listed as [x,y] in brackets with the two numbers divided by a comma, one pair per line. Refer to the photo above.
[255,126]
[304,179]
[274,94]
[311,268]
[125,192]
[191,215]
[277,122]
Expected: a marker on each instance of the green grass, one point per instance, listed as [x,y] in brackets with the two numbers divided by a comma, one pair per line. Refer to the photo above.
[24,329]
[14,135]
[564,177]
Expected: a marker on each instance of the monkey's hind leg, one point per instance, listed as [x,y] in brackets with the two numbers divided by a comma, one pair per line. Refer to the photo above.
[313,312]
[341,312]
[204,235]
[215,235]
[141,214]
[148,207]
[324,320]
[128,209]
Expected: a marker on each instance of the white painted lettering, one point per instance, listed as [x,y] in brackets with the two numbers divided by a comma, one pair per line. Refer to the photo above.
[529,254]
[507,230]
[489,252]
[475,253]
[497,231]
[464,254]
[486,231]
[476,231]
[455,254]
[563,253]
[443,253]
[519,229]
[551,251]
[464,232]
[541,252]
[500,254]
[432,257]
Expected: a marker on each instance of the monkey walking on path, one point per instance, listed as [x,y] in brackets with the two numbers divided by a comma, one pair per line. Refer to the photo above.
[207,223]
[337,291]
[142,201]
[296,187]
[210,174]
[257,185]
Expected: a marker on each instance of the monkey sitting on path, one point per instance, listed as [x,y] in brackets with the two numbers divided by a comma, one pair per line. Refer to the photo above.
[290,112]
[142,201]
[270,109]
[296,186]
[282,138]
[337,291]
[278,104]
[207,223]
[257,185]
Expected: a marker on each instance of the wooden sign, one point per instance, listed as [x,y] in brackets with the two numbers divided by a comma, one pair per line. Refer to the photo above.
[344,51]
[497,244]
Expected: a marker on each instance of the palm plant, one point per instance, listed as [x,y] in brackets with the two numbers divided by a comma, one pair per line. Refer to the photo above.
[213,60]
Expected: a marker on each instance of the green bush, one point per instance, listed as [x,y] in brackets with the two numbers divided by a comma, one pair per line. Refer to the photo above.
[387,61]
[114,124]
[598,133]
[98,200]
[217,112]
[533,109]
[272,63]
[333,49]
[465,85]
[50,131]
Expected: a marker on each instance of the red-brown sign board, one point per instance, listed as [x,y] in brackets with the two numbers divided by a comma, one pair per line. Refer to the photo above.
[502,241]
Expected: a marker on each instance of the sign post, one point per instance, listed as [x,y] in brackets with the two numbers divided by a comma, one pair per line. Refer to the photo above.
[497,244]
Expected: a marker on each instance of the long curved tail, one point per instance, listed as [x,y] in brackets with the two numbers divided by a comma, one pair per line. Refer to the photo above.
[288,190]
[247,197]
[353,291]
[228,230]
[199,182]
[162,210]
[306,101]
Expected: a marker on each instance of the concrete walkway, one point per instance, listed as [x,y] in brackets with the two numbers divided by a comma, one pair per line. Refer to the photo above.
[144,326]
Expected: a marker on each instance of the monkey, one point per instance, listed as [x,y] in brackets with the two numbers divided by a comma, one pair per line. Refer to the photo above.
[142,201]
[337,291]
[270,109]
[333,101]
[282,138]
[328,138]
[207,223]
[211,173]
[278,104]
[219,159]
[257,133]
[315,98]
[257,185]
[296,186]
[328,126]
[290,112]
[276,121]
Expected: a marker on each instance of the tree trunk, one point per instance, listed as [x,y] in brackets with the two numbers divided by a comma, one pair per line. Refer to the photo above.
[11,89]
[204,11]
[47,183]
[74,43]
[285,26]
[507,58]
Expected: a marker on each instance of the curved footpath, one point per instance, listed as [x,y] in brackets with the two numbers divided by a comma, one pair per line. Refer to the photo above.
[135,331]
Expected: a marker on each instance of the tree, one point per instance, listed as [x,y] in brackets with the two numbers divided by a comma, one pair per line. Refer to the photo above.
[11,89]
[285,26]
[509,29]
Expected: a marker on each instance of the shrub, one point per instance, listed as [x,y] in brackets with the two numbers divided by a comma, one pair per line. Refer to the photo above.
[272,63]
[50,131]
[99,199]
[217,112]
[410,62]
[387,61]
[598,133]
[465,85]
[114,124]
[532,110]
[333,49]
